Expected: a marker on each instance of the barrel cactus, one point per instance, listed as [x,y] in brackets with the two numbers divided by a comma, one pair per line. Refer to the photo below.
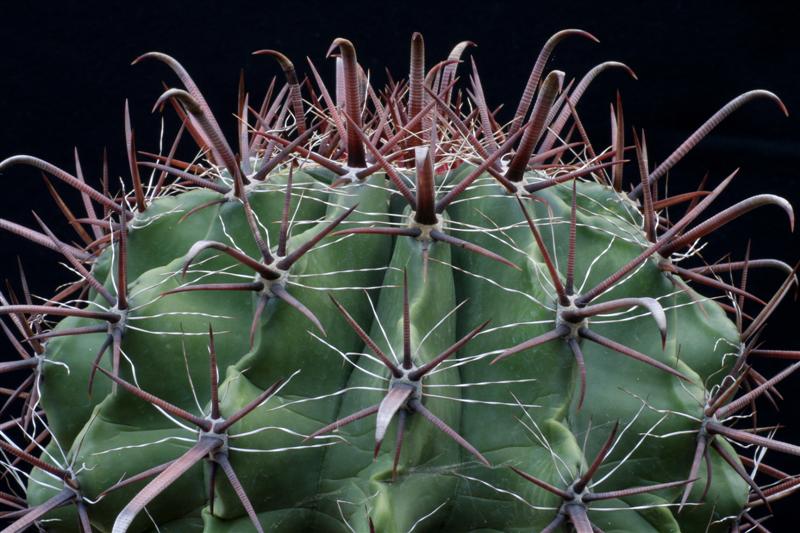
[384,310]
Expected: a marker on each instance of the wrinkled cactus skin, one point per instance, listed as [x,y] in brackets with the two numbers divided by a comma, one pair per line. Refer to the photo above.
[589,423]
[295,486]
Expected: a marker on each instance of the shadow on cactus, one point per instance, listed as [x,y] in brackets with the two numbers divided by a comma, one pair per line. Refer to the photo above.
[543,346]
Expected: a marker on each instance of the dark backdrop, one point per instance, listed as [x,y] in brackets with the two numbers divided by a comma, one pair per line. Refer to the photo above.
[64,74]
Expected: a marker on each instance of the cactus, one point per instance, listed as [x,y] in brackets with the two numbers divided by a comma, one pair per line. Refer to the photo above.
[386,311]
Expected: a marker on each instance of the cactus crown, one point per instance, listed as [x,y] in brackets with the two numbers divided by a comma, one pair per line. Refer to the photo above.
[248,327]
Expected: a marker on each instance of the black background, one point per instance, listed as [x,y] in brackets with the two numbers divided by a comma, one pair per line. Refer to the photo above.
[65,72]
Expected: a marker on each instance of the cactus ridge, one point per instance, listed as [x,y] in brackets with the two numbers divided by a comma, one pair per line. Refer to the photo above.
[487,291]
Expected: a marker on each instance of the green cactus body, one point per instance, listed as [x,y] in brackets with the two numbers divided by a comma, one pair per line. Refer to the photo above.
[340,478]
